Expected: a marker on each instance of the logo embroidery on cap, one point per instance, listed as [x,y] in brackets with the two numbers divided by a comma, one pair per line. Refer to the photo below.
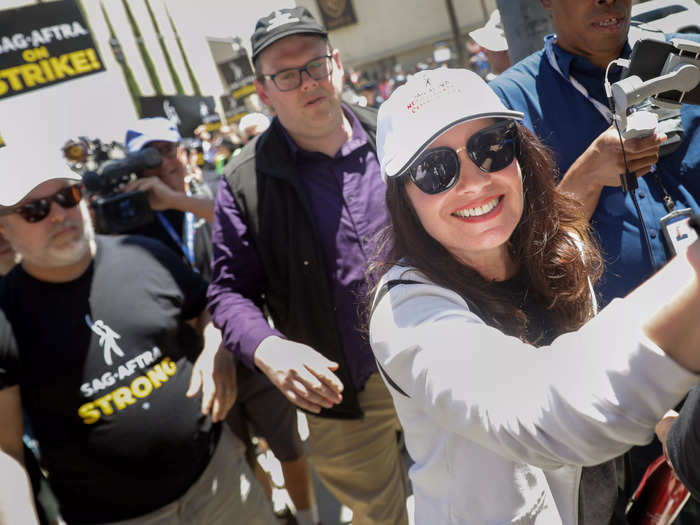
[280,19]
[430,94]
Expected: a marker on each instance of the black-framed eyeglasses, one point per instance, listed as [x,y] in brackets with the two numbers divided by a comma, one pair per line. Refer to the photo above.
[491,149]
[37,210]
[289,79]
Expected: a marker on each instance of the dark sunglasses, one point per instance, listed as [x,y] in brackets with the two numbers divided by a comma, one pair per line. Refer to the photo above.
[491,149]
[35,211]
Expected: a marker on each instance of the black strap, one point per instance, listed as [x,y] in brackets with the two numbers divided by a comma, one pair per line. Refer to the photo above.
[380,295]
[668,200]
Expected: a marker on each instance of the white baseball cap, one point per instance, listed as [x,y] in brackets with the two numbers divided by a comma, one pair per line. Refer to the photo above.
[426,106]
[259,120]
[148,130]
[491,36]
[25,164]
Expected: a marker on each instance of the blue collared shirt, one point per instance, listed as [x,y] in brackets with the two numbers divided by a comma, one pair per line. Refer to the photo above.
[568,123]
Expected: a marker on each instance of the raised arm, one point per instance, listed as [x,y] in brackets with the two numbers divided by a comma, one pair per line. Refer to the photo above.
[585,399]
[162,197]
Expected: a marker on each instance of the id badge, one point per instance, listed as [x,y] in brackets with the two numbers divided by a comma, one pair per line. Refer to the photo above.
[677,231]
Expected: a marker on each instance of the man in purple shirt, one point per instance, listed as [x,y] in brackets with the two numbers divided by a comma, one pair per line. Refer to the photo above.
[295,220]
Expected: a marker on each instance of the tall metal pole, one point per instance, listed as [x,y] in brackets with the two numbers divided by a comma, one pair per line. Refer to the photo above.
[168,60]
[459,44]
[525,23]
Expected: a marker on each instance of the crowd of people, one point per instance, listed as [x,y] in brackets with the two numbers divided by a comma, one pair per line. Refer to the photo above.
[457,274]
[488,57]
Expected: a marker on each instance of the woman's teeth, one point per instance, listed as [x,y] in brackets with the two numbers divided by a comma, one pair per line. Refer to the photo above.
[481,210]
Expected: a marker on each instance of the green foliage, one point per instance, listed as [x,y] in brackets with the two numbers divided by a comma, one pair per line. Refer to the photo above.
[131,83]
[166,54]
[190,73]
[150,68]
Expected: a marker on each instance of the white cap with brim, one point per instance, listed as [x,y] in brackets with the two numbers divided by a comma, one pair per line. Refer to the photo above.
[491,36]
[428,105]
[261,121]
[27,164]
[150,130]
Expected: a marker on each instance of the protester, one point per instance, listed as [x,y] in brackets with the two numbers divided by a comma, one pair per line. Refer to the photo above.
[183,216]
[492,40]
[575,123]
[99,339]
[259,403]
[207,140]
[560,90]
[368,89]
[224,148]
[294,223]
[487,263]
[477,59]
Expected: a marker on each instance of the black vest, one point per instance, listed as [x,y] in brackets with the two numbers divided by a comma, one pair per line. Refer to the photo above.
[270,194]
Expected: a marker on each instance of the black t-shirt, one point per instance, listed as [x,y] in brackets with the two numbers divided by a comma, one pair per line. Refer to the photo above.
[103,363]
[540,327]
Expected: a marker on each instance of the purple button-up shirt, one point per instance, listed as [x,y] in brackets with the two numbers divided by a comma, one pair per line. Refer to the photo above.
[346,193]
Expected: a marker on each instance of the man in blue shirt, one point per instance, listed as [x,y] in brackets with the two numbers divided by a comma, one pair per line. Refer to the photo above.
[560,90]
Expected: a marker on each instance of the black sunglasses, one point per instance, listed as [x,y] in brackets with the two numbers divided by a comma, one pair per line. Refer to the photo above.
[491,149]
[37,210]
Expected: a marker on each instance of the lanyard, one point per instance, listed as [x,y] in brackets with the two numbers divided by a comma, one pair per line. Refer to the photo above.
[187,247]
[551,57]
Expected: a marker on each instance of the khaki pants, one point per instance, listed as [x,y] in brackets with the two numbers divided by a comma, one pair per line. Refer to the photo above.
[359,460]
[227,492]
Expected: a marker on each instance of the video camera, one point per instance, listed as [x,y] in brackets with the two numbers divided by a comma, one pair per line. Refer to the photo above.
[658,78]
[117,211]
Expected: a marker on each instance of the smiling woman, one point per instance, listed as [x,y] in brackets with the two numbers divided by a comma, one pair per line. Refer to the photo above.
[508,391]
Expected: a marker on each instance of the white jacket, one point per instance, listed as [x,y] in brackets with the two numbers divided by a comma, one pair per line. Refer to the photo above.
[499,429]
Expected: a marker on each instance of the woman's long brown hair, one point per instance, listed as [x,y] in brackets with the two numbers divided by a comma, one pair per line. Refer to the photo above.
[552,243]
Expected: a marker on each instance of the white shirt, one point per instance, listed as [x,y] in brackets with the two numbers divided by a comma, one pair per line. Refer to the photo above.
[499,429]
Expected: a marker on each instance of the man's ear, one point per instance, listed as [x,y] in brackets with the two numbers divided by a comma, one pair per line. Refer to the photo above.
[262,92]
